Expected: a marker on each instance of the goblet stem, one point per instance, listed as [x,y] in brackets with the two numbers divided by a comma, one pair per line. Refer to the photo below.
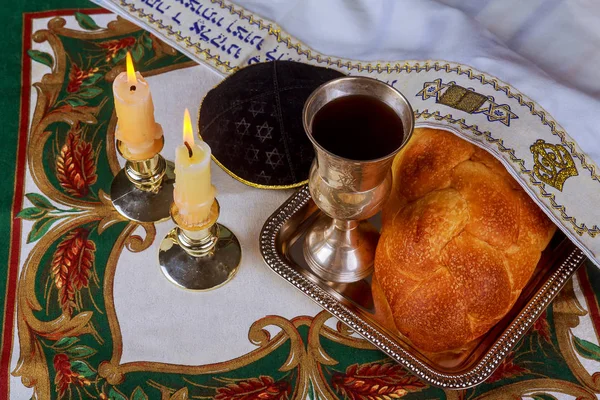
[341,250]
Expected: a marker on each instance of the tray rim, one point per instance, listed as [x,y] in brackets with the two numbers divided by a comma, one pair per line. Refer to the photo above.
[463,380]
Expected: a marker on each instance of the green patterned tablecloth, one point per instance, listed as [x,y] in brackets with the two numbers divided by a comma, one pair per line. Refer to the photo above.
[61,335]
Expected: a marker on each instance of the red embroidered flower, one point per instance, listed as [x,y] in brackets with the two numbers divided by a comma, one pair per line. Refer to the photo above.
[113,46]
[72,265]
[76,165]
[263,388]
[375,381]
[65,375]
[77,76]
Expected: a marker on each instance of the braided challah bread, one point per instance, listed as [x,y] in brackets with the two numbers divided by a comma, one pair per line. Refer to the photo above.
[460,240]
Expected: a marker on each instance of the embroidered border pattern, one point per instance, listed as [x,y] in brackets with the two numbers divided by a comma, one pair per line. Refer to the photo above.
[466,99]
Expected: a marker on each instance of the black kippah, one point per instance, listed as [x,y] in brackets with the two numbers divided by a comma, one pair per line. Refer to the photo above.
[253,122]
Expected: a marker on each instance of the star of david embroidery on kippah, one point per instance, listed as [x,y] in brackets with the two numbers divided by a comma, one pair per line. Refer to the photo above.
[251,154]
[257,107]
[263,177]
[432,89]
[242,172]
[274,158]
[263,132]
[242,127]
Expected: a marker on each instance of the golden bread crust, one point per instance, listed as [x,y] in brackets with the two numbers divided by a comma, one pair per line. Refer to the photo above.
[460,240]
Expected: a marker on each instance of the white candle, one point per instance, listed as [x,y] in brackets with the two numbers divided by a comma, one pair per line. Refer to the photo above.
[194,193]
[136,126]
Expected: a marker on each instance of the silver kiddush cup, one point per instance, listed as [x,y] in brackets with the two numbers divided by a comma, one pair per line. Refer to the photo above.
[340,245]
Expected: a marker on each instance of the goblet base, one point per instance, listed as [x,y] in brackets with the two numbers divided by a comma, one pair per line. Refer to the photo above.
[341,251]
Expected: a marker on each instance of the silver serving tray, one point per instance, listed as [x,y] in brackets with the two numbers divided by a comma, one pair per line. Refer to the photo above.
[281,247]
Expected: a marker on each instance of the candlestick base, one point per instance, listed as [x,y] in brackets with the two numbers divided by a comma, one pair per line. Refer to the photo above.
[200,258]
[143,190]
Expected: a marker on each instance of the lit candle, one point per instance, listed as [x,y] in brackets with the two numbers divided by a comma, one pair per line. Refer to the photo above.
[136,126]
[194,193]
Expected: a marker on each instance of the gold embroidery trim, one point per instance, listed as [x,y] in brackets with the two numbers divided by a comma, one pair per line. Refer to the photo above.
[256,185]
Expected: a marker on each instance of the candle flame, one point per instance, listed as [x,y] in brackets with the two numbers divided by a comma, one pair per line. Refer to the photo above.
[131,78]
[188,132]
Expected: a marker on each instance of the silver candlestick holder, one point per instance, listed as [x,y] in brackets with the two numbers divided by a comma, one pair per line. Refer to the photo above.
[200,257]
[143,190]
[340,245]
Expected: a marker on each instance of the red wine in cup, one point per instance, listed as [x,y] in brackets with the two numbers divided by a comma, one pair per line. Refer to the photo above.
[358,127]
